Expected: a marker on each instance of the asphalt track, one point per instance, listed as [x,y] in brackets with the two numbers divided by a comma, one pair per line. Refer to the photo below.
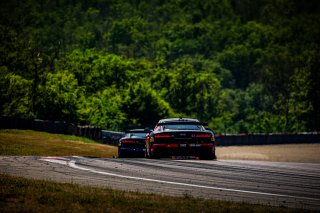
[295,185]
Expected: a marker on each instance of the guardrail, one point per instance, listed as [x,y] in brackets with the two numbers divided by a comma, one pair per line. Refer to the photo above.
[58,127]
[111,137]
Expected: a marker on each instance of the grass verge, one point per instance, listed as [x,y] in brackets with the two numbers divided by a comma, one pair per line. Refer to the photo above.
[24,195]
[33,143]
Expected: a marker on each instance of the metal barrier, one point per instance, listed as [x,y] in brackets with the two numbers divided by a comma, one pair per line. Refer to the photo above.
[59,127]
[111,137]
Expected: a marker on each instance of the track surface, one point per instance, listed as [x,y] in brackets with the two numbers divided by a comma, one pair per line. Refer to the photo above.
[294,185]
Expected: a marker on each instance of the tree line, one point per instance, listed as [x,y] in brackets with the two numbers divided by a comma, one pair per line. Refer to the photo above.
[242,66]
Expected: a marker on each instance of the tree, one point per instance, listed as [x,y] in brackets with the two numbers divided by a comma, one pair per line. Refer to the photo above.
[16,93]
[103,109]
[145,106]
[59,97]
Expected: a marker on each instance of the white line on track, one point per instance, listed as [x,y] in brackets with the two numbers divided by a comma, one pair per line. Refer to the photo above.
[72,164]
[58,160]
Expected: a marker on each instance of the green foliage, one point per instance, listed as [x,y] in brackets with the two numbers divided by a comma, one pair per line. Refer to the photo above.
[242,66]
[58,97]
[145,105]
[103,109]
[15,95]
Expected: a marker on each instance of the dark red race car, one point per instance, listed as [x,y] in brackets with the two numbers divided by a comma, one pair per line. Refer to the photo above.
[180,137]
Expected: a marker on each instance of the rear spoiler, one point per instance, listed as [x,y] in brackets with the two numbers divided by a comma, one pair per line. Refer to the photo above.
[183,122]
[137,130]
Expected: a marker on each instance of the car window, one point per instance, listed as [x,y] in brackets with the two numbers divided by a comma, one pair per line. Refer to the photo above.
[157,128]
[137,134]
[182,127]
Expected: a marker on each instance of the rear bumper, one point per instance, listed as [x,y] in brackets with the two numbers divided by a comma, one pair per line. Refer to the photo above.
[167,150]
[131,152]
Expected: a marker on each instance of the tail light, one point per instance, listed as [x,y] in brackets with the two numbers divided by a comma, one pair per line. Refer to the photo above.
[163,136]
[202,135]
[127,141]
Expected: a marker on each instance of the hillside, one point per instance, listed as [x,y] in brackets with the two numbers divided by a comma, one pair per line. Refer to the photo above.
[241,66]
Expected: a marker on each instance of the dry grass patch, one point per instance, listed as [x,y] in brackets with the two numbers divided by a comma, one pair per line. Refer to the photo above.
[23,195]
[32,143]
[303,153]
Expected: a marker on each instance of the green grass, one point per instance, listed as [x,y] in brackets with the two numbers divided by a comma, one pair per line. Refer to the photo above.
[24,195]
[77,138]
[33,143]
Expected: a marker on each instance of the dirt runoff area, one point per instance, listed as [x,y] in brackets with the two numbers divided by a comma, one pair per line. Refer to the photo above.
[303,153]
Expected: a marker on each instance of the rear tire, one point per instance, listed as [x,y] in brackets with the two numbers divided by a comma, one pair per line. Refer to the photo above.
[210,156]
[153,155]
[120,155]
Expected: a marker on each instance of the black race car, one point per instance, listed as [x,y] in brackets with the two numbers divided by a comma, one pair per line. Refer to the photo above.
[133,144]
[180,137]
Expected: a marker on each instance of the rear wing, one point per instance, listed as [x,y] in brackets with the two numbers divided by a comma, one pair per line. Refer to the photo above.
[183,122]
[137,131]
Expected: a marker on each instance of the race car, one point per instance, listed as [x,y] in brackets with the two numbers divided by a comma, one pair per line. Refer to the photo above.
[180,137]
[132,144]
